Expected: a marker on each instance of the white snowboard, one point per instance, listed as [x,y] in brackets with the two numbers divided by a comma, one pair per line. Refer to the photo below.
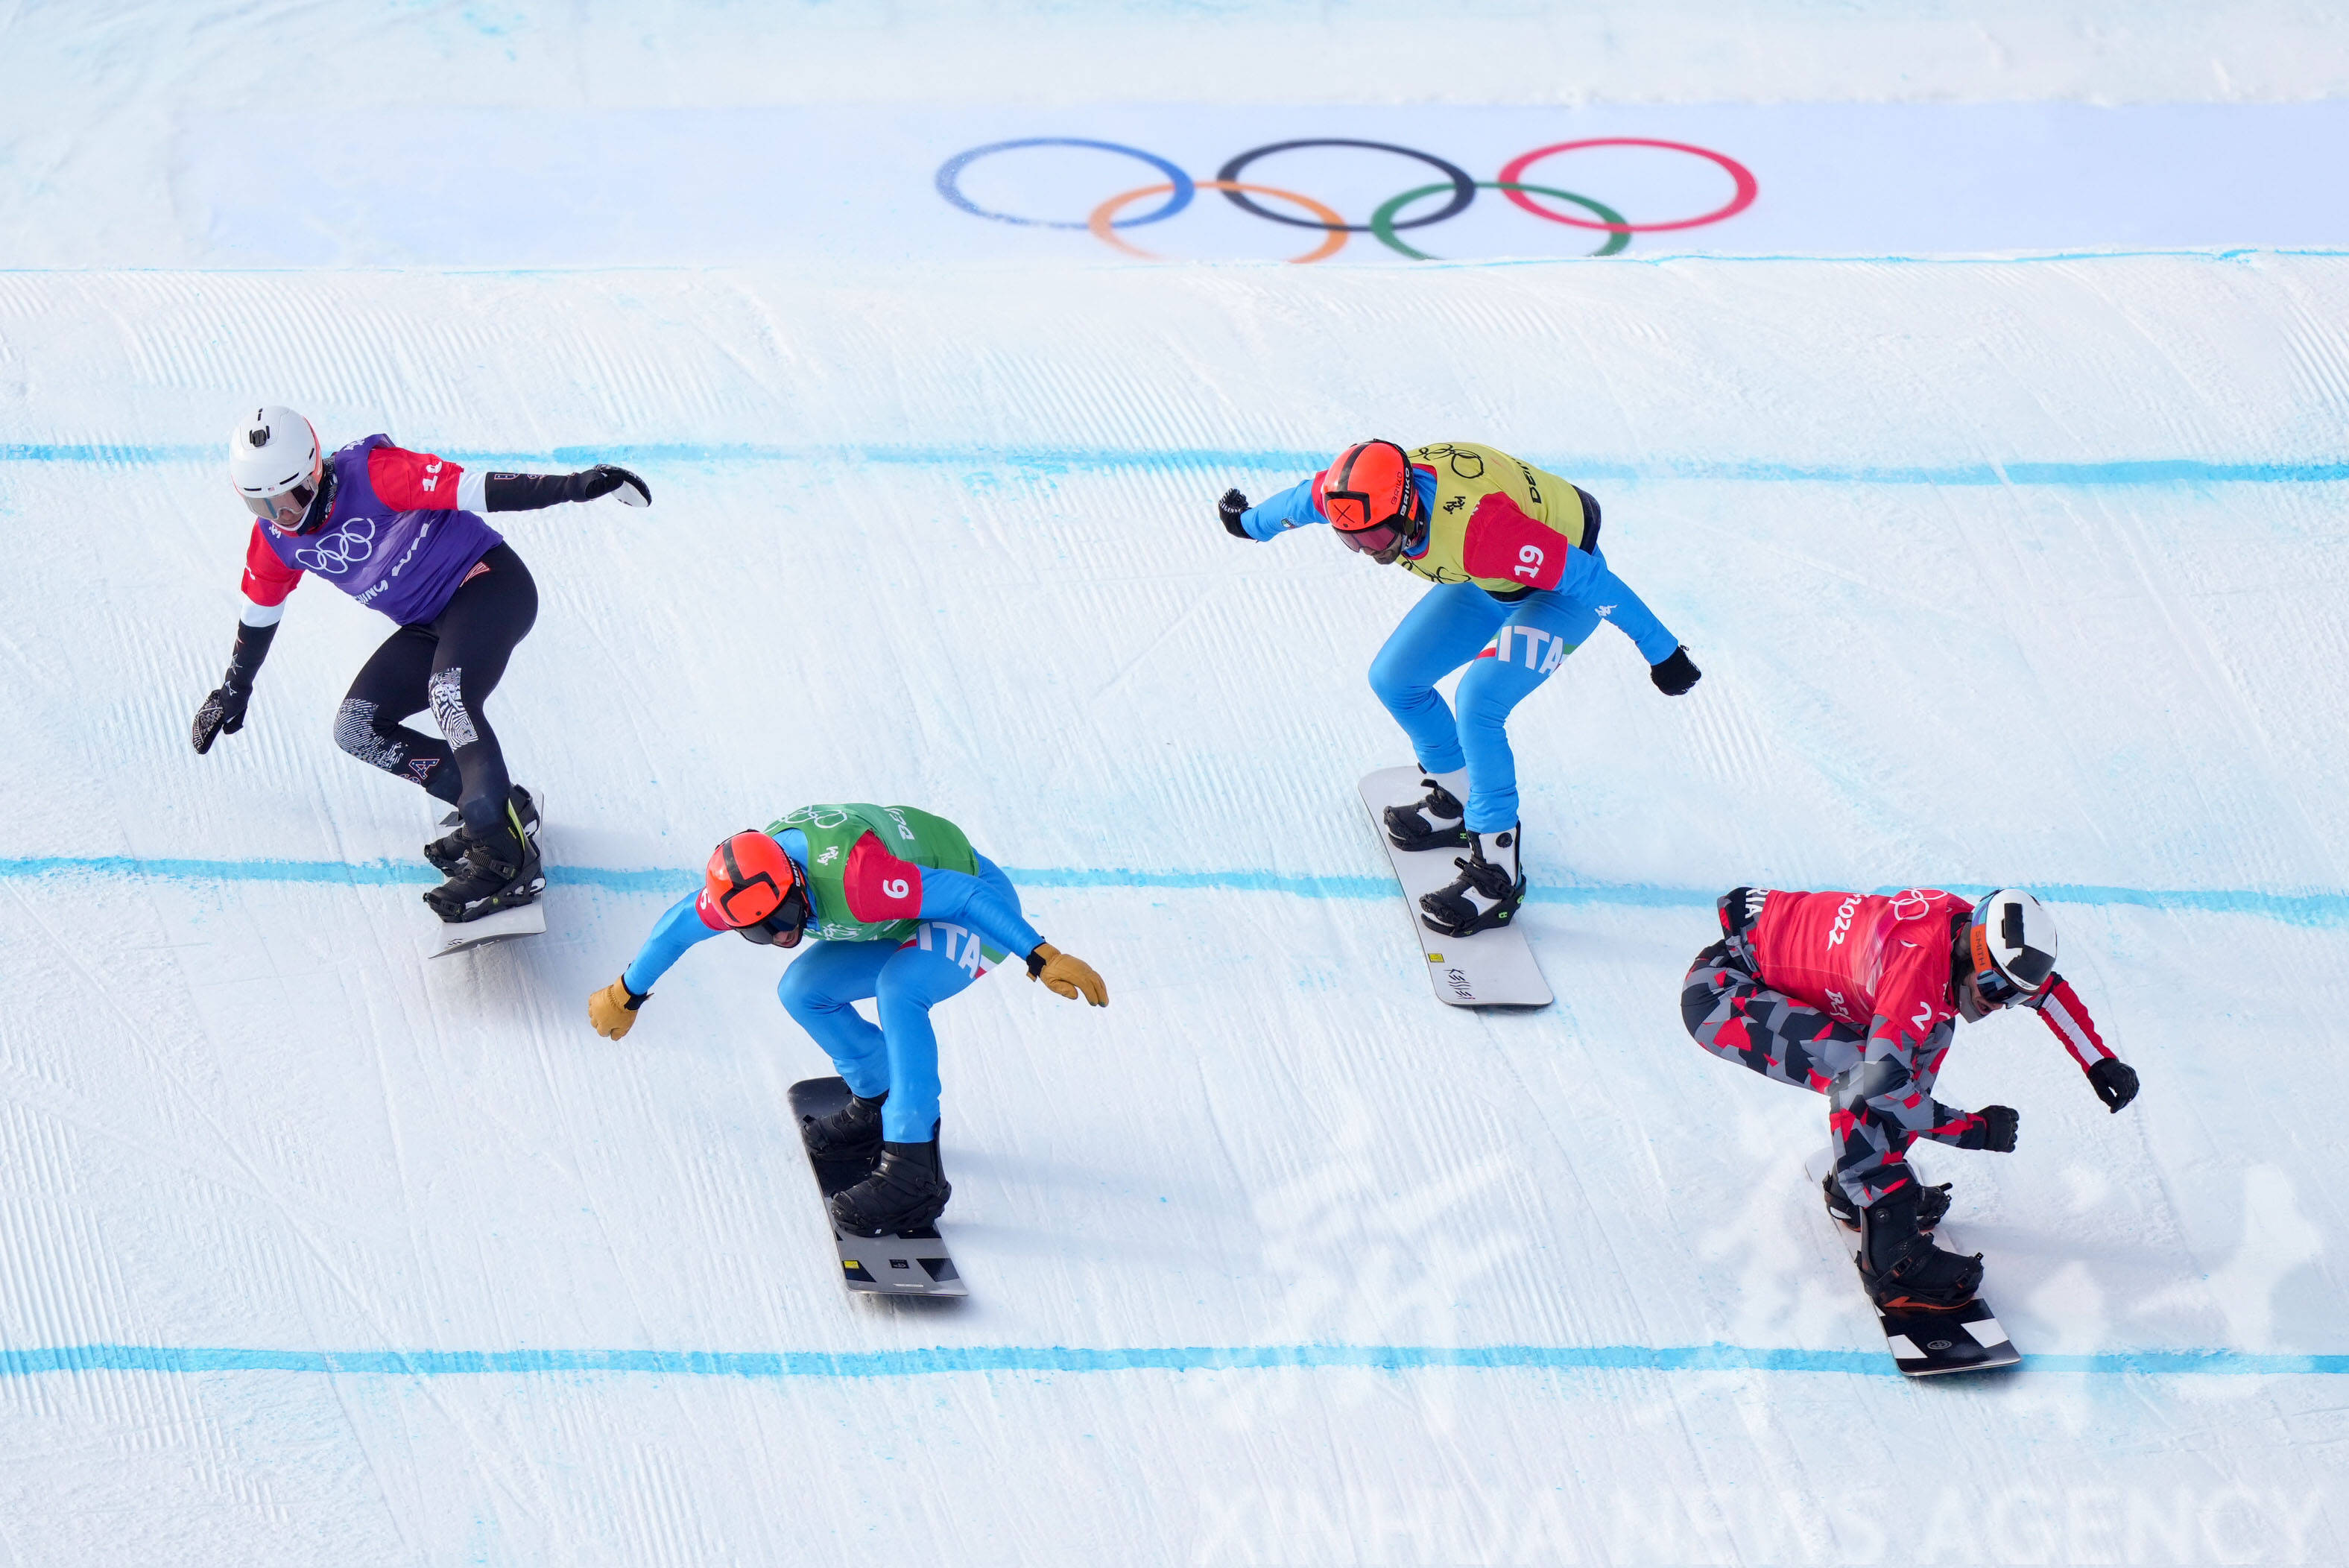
[1490,969]
[529,920]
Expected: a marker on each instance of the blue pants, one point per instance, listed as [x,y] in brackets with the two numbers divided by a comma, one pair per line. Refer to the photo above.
[899,1057]
[1446,629]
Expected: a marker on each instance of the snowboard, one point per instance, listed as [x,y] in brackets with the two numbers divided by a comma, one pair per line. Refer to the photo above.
[525,920]
[914,1264]
[1491,969]
[1923,1343]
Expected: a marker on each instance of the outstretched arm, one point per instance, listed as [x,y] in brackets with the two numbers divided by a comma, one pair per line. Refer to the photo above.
[423,481]
[1292,508]
[613,1010]
[267,581]
[679,927]
[1587,578]
[974,902]
[2066,1017]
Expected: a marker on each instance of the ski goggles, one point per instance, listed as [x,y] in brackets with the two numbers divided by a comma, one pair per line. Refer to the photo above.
[1378,538]
[286,508]
[783,926]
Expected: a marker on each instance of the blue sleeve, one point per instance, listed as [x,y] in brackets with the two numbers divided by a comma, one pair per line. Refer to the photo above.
[1292,508]
[672,933]
[1588,581]
[985,903]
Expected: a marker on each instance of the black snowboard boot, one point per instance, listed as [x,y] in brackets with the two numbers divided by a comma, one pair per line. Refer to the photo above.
[1432,822]
[446,852]
[851,1132]
[499,869]
[1931,1205]
[905,1191]
[1902,1269]
[1485,893]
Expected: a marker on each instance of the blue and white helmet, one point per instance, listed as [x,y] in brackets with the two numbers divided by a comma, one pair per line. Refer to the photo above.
[2011,944]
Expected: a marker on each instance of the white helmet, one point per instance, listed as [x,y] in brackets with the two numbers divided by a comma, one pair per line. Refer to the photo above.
[2010,943]
[275,463]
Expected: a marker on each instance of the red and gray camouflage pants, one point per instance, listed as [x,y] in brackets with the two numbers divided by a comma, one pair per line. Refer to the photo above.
[1875,1108]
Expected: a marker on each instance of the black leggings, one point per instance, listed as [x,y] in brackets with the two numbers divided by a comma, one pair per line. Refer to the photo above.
[450,665]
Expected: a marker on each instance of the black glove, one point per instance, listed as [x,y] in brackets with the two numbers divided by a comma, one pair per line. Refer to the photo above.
[530,492]
[1229,509]
[1676,673]
[593,484]
[2114,1080]
[223,710]
[1994,1130]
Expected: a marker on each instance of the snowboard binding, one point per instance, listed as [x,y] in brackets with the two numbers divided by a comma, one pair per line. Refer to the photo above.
[1486,894]
[1932,1203]
[1435,822]
[446,852]
[498,870]
[906,1191]
[851,1134]
[1901,1267]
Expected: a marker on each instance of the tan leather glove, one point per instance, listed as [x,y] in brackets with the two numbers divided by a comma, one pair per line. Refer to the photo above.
[1066,975]
[613,1010]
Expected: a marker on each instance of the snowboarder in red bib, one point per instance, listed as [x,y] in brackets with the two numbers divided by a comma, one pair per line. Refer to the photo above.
[1513,552]
[400,531]
[1856,995]
[903,913]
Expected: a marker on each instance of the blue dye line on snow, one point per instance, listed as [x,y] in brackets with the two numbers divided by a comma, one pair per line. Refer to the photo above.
[939,1359]
[2138,471]
[2307,909]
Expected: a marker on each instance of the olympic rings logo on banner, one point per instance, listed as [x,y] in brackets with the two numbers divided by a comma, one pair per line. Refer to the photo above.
[338,551]
[1179,189]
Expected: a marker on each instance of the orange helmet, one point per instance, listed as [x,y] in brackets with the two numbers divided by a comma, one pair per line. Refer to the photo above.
[749,886]
[1368,485]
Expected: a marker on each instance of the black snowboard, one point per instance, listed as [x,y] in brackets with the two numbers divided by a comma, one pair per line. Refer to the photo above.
[1925,1344]
[914,1264]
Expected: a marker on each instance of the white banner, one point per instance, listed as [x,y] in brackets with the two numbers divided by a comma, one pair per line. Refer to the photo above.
[532,186]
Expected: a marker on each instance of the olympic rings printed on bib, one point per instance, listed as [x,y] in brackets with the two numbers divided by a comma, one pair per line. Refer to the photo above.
[337,552]
[1387,222]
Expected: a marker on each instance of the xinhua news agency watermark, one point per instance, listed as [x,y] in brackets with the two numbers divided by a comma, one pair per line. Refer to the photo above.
[1881,1521]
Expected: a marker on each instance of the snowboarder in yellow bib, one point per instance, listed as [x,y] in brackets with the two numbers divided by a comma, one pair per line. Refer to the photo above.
[902,911]
[1514,554]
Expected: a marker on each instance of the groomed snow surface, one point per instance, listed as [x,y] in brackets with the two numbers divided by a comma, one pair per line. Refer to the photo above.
[2020,571]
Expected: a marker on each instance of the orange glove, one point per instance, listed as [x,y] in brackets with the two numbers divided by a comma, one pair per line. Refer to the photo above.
[613,1010]
[1066,975]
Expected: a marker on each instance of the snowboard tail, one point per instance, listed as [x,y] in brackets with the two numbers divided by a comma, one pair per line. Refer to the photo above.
[914,1264]
[1493,969]
[1923,1343]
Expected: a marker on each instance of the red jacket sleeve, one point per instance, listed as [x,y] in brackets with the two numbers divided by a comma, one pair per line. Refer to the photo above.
[413,481]
[267,580]
[2066,1017]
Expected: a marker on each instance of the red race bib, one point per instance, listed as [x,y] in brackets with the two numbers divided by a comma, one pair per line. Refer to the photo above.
[1503,543]
[879,886]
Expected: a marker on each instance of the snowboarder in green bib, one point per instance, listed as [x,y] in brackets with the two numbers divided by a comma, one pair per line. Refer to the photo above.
[901,910]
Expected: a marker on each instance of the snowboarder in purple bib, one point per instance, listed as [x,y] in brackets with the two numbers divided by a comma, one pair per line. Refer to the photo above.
[1519,584]
[904,912]
[401,533]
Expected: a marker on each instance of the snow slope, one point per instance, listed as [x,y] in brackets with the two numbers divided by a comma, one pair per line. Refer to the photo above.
[2001,569]
[2000,572]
